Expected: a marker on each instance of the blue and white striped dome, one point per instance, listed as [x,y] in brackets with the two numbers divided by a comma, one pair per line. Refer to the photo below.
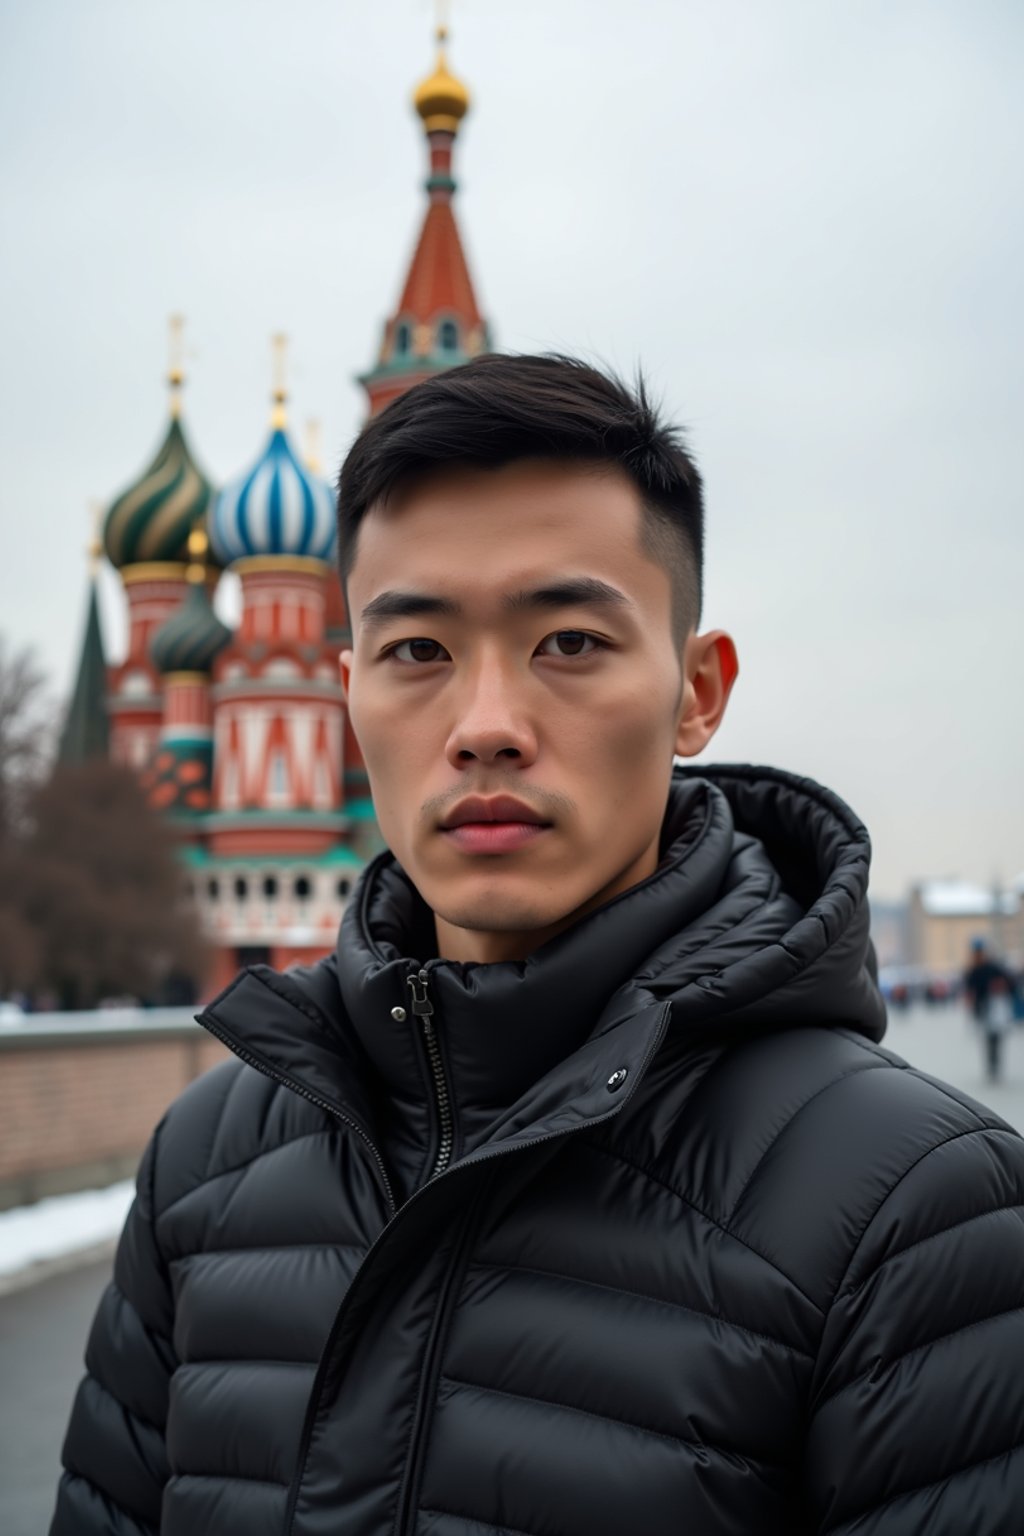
[278,508]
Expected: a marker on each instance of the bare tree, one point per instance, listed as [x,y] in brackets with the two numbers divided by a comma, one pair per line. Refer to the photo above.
[91,887]
[102,890]
[27,728]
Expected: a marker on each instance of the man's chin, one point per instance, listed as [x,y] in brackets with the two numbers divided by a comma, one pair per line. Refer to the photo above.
[498,917]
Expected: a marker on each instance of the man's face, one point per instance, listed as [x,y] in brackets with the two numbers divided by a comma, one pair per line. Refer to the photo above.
[511,638]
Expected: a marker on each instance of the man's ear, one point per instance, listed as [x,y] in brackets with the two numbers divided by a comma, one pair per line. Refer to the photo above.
[710,667]
[345,669]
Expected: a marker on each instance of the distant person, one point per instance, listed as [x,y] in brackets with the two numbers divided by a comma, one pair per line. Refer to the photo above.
[573,1195]
[990,992]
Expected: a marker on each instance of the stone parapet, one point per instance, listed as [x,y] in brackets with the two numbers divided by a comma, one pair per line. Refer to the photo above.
[80,1094]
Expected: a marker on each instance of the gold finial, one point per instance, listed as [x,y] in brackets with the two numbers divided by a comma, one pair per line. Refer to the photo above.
[314,463]
[176,361]
[198,544]
[94,548]
[441,100]
[279,416]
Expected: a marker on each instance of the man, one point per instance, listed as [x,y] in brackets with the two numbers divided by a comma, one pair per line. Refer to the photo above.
[990,997]
[574,1196]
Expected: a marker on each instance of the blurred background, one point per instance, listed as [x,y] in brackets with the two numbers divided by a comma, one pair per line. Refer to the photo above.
[233,230]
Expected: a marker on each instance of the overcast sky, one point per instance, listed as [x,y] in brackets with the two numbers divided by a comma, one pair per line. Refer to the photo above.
[804,217]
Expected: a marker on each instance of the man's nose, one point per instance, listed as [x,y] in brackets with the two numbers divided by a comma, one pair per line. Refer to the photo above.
[492,722]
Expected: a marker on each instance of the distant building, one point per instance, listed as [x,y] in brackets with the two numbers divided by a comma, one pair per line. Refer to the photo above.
[242,738]
[889,931]
[943,917]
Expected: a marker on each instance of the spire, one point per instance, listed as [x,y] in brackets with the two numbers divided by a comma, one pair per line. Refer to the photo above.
[279,415]
[438,323]
[176,362]
[314,458]
[198,554]
[94,549]
[86,729]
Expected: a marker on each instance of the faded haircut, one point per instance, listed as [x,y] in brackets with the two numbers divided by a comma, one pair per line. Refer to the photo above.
[499,409]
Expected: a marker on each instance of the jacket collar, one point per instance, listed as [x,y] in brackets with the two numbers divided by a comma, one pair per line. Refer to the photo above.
[529,1047]
[504,1027]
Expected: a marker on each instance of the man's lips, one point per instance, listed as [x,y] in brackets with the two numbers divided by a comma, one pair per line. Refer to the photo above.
[497,825]
[494,836]
[476,809]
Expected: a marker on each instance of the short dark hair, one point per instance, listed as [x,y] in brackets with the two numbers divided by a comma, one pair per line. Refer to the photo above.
[499,409]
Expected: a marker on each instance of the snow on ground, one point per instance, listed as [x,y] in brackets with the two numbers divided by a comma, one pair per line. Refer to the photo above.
[50,1229]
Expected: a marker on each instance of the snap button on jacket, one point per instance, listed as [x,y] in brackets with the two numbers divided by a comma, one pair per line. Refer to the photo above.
[645,1235]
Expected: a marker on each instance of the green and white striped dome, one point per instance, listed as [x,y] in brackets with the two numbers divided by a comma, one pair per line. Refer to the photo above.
[151,520]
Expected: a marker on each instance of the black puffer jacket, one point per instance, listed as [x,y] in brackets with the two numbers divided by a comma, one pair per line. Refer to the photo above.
[704,1259]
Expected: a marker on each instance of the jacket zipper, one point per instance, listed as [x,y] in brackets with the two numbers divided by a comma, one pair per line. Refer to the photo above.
[456,1267]
[476,1158]
[423,1009]
[208,1022]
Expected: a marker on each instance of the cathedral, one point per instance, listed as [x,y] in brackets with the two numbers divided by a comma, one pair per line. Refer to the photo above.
[241,737]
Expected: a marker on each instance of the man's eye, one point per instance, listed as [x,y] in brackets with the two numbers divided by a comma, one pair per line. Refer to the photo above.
[418,650]
[570,642]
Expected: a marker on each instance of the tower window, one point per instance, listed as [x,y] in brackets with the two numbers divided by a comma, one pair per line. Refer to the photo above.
[403,338]
[241,887]
[283,666]
[344,886]
[229,792]
[322,795]
[277,791]
[270,886]
[135,684]
[302,888]
[213,888]
[449,336]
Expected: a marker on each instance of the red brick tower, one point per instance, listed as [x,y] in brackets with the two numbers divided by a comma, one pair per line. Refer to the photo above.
[437,324]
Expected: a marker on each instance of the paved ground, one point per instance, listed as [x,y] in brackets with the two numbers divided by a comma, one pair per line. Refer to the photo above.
[43,1329]
[42,1339]
[944,1042]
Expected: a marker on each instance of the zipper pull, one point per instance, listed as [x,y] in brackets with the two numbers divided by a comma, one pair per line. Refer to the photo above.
[422,1007]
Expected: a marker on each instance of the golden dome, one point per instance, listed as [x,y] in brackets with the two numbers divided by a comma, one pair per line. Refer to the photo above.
[440,99]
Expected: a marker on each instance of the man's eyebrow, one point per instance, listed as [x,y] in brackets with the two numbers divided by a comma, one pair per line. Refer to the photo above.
[405,605]
[570,592]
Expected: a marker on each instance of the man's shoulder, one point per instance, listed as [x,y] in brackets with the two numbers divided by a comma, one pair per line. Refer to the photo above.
[844,1084]
[807,1144]
[844,1102]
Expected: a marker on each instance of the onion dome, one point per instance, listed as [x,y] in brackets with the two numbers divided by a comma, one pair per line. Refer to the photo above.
[193,635]
[152,518]
[279,507]
[441,100]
